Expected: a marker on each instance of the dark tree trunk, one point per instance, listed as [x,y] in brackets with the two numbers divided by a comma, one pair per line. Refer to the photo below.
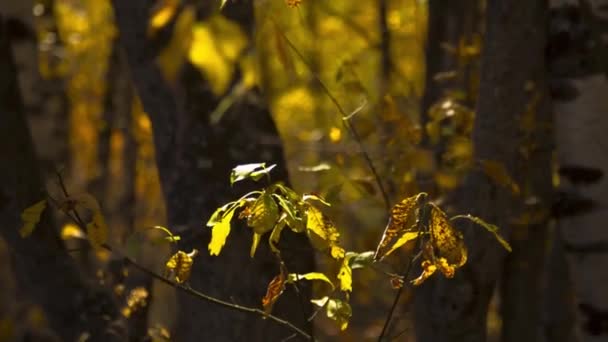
[513,127]
[194,158]
[43,269]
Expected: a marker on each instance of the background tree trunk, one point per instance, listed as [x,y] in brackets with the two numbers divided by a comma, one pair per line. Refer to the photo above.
[43,269]
[512,94]
[194,158]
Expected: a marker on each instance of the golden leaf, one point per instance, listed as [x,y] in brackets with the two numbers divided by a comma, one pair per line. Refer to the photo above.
[337,252]
[263,214]
[293,277]
[320,230]
[254,244]
[448,242]
[401,226]
[136,300]
[72,231]
[180,265]
[162,14]
[345,275]
[31,217]
[220,230]
[428,268]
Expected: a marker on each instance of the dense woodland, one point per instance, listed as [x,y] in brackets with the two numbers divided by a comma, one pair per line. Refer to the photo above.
[291,170]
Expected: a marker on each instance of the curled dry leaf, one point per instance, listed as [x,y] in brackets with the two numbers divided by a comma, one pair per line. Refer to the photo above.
[180,265]
[274,290]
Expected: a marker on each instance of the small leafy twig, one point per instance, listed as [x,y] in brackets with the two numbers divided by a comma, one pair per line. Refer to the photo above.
[345,121]
[73,215]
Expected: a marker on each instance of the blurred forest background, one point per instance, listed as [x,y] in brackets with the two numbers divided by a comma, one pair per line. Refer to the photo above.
[494,107]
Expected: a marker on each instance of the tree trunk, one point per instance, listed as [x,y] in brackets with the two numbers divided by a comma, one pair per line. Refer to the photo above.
[194,158]
[43,269]
[513,128]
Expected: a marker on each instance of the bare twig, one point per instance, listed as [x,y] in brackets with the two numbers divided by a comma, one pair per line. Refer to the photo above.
[345,121]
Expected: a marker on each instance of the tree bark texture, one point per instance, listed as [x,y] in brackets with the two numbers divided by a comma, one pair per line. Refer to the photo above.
[513,127]
[43,269]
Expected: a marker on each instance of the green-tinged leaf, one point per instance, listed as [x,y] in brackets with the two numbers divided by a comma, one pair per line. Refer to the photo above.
[254,244]
[320,230]
[320,302]
[312,197]
[275,236]
[30,217]
[263,214]
[345,275]
[360,260]
[252,171]
[220,232]
[339,311]
[293,277]
[290,210]
[489,227]
[289,193]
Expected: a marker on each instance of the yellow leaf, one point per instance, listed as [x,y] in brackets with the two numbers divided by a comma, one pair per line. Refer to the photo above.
[72,231]
[30,217]
[337,252]
[216,46]
[254,244]
[401,226]
[136,300]
[489,227]
[180,265]
[293,277]
[163,13]
[220,231]
[335,134]
[345,275]
[428,268]
[448,242]
[263,214]
[339,311]
[320,230]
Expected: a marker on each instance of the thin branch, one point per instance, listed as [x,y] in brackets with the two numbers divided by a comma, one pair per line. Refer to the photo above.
[345,121]
[73,214]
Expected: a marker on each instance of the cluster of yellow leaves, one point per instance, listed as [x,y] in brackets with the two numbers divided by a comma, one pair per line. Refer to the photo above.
[136,300]
[179,265]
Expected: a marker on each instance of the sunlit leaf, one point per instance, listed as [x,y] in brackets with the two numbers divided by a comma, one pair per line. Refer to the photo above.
[162,14]
[290,212]
[321,231]
[317,168]
[489,227]
[337,252]
[254,244]
[428,268]
[170,237]
[345,275]
[293,277]
[275,236]
[320,302]
[220,231]
[263,214]
[274,291]
[499,175]
[72,231]
[401,226]
[339,311]
[30,217]
[448,242]
[250,171]
[313,197]
[180,265]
